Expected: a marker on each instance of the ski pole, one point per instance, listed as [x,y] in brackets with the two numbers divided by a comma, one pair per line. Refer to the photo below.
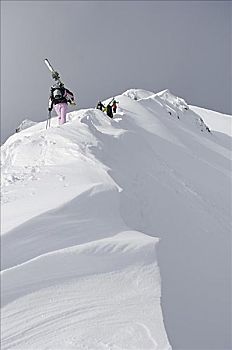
[48,120]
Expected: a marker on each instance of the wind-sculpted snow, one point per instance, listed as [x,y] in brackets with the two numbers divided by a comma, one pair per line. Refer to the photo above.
[97,256]
[82,205]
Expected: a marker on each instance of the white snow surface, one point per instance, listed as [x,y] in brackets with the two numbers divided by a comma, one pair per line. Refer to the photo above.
[25,124]
[83,207]
[216,121]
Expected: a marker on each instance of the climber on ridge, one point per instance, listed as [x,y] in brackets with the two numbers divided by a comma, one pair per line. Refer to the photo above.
[109,111]
[114,105]
[60,96]
[100,106]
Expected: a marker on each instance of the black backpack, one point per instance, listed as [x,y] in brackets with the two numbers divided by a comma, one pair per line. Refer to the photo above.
[58,93]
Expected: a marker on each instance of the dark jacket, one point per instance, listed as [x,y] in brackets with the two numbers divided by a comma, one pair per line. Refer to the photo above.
[109,111]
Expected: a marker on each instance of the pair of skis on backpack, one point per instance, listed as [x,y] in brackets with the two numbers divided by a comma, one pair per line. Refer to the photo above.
[55,75]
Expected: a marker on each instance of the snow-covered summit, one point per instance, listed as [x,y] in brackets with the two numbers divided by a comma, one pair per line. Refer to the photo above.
[176,101]
[138,94]
[84,205]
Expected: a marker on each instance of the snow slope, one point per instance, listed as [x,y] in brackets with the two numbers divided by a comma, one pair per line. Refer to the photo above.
[82,207]
[217,121]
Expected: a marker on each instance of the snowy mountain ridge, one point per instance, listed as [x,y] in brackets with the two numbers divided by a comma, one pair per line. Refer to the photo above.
[82,207]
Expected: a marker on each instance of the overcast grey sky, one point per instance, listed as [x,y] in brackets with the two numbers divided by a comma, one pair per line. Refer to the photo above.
[102,48]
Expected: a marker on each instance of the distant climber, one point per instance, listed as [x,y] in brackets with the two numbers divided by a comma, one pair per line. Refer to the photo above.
[109,111]
[100,106]
[114,105]
[60,96]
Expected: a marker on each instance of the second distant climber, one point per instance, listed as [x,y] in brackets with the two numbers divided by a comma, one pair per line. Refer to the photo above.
[114,105]
[109,111]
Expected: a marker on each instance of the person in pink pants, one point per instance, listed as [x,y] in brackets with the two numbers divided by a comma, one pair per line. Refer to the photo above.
[59,98]
[61,110]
